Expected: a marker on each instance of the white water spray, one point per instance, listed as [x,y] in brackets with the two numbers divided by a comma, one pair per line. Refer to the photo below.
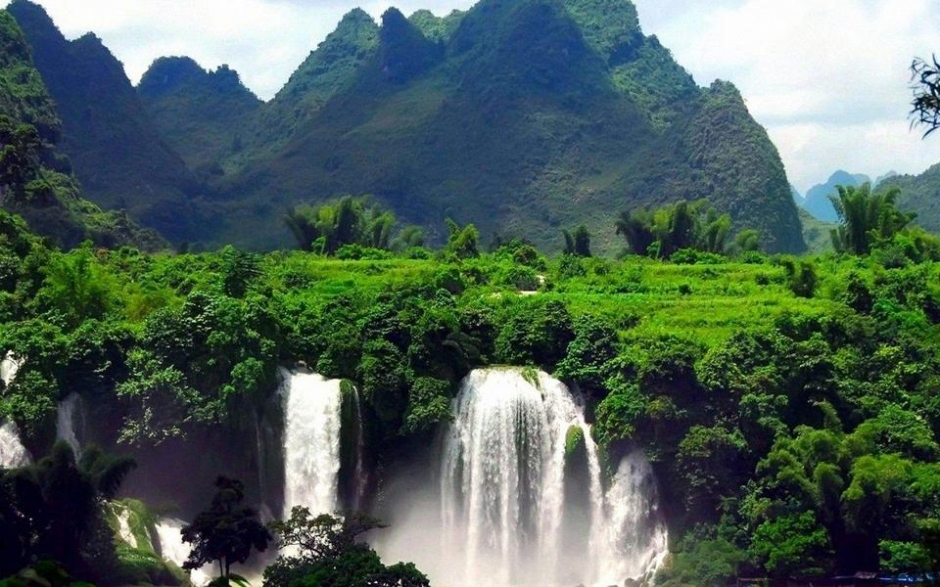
[70,418]
[503,501]
[12,452]
[9,367]
[176,551]
[312,406]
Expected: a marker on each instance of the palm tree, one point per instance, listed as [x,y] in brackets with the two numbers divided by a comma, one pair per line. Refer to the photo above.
[636,228]
[865,218]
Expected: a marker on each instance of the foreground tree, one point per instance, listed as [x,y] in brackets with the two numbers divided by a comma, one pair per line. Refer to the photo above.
[926,87]
[227,532]
[328,553]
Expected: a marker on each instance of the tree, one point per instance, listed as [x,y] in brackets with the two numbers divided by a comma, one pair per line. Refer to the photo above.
[926,87]
[53,510]
[636,228]
[227,532]
[866,219]
[328,227]
[463,243]
[328,553]
[578,243]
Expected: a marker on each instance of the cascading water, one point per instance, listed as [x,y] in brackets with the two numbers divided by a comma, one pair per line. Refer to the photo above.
[12,452]
[8,368]
[312,406]
[70,418]
[174,550]
[503,498]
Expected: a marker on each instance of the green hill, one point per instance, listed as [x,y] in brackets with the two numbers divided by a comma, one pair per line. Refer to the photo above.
[203,115]
[118,155]
[521,117]
[920,194]
[35,178]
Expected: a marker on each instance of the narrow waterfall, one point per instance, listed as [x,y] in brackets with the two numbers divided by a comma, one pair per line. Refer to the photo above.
[353,475]
[312,406]
[70,422]
[503,498]
[8,368]
[174,550]
[12,452]
[636,544]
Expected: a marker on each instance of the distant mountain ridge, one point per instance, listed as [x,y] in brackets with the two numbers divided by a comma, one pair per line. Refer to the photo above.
[817,200]
[523,117]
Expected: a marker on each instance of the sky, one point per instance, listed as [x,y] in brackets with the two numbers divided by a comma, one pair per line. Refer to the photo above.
[829,79]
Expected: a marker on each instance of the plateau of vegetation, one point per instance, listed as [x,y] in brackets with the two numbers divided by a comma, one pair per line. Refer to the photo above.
[788,405]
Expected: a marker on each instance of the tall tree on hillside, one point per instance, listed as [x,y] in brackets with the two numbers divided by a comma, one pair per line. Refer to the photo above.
[865,218]
[636,228]
[578,243]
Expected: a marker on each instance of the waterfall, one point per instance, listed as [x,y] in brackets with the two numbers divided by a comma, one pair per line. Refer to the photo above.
[70,421]
[8,368]
[503,498]
[123,515]
[174,550]
[636,544]
[312,406]
[12,452]
[358,483]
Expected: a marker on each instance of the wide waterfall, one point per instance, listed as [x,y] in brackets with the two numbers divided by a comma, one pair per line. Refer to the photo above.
[312,406]
[70,421]
[522,499]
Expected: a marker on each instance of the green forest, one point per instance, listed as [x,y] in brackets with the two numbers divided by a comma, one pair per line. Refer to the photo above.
[788,405]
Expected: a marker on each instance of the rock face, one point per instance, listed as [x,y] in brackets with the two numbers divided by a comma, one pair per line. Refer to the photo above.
[523,117]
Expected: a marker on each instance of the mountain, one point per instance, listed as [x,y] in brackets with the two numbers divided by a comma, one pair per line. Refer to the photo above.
[118,155]
[919,194]
[817,200]
[35,177]
[797,196]
[524,117]
[204,116]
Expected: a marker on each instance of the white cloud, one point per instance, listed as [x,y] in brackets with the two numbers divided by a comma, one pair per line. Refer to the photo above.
[828,79]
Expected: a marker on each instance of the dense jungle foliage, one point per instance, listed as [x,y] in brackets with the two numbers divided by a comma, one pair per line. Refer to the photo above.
[789,405]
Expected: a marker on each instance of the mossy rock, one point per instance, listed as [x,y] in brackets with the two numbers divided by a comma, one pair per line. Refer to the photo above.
[574,442]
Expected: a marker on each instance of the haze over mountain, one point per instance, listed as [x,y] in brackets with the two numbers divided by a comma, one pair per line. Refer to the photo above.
[522,117]
[817,200]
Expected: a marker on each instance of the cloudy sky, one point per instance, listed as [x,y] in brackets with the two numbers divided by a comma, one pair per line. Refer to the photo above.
[828,78]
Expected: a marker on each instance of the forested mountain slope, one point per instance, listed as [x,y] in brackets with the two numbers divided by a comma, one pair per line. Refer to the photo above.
[118,155]
[35,178]
[523,117]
